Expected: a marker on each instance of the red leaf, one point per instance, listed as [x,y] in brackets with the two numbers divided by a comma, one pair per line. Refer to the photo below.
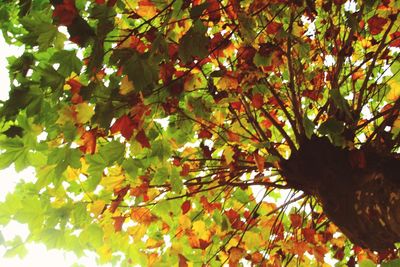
[111,3]
[233,137]
[204,244]
[89,142]
[376,24]
[204,134]
[124,125]
[185,169]
[395,42]
[65,13]
[118,222]
[273,27]
[142,139]
[186,206]
[309,235]
[257,100]
[75,86]
[296,220]
[214,10]
[100,2]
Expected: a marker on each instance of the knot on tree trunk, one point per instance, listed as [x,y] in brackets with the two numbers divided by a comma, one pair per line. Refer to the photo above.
[359,190]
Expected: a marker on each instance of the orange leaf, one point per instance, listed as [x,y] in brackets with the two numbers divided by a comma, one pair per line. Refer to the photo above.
[142,139]
[89,142]
[146,9]
[296,220]
[124,125]
[235,255]
[259,160]
[203,133]
[233,137]
[118,222]
[182,261]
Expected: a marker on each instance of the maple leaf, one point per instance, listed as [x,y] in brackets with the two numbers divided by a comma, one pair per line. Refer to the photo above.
[89,142]
[186,206]
[124,125]
[65,13]
[142,139]
[376,24]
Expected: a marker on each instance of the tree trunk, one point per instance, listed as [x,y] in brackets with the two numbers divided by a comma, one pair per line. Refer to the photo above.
[359,190]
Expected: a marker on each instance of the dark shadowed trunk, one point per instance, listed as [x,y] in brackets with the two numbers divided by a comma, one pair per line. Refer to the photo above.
[358,189]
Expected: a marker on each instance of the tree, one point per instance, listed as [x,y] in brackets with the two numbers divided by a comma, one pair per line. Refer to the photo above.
[205,132]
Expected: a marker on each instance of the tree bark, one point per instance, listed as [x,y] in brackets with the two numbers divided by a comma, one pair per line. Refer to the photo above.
[359,190]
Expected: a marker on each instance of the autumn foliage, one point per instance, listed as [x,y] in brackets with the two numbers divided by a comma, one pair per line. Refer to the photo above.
[204,133]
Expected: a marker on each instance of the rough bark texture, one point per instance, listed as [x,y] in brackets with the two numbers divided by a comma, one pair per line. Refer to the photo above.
[359,190]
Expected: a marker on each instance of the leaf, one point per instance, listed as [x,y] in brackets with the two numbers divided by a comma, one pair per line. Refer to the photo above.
[331,126]
[186,206]
[142,139]
[84,112]
[112,152]
[142,72]
[68,61]
[376,24]
[194,44]
[257,100]
[259,160]
[394,92]
[124,125]
[176,183]
[126,86]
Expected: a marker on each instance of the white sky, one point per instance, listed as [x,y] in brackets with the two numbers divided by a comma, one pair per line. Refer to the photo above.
[38,255]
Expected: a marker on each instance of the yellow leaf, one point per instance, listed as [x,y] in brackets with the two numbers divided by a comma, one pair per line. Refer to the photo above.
[72,174]
[252,240]
[228,153]
[137,232]
[227,82]
[200,229]
[113,180]
[185,222]
[193,81]
[394,92]
[146,9]
[126,86]
[97,207]
[105,253]
[65,115]
[84,112]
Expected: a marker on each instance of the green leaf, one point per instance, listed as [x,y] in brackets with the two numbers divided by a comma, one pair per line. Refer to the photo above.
[97,164]
[64,157]
[13,150]
[142,72]
[331,127]
[16,248]
[68,61]
[176,183]
[392,263]
[366,263]
[112,151]
[194,43]
[309,126]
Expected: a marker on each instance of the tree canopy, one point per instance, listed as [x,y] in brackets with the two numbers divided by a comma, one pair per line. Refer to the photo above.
[205,132]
